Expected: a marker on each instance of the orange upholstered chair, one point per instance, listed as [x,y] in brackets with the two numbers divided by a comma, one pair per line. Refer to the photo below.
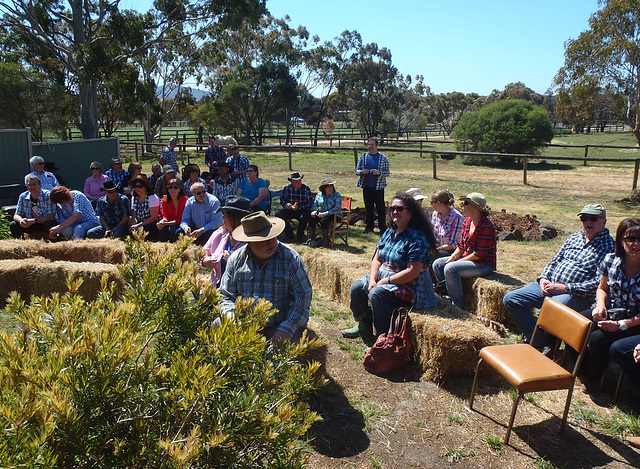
[527,369]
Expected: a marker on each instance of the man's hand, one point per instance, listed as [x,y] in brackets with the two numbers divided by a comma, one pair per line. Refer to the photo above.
[609,326]
[187,231]
[279,336]
[54,231]
[26,223]
[554,289]
[636,353]
[196,233]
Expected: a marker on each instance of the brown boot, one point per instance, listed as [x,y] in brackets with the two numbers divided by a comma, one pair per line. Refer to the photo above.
[325,238]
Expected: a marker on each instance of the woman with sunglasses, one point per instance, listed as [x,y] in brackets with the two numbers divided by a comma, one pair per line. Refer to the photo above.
[398,275]
[446,221]
[221,243]
[144,205]
[617,309]
[475,253]
[94,182]
[134,169]
[172,207]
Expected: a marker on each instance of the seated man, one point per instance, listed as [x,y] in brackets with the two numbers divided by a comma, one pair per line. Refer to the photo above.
[225,184]
[201,215]
[570,278]
[114,211]
[265,268]
[35,212]
[47,180]
[296,200]
[116,173]
[74,214]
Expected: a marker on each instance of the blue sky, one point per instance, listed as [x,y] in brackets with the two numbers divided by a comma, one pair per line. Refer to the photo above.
[457,45]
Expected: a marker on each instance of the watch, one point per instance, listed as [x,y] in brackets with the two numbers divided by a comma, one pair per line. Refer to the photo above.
[622,325]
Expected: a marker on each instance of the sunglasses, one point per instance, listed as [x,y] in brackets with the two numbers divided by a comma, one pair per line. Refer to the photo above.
[174,187]
[199,193]
[251,170]
[591,218]
[38,163]
[466,202]
[631,239]
[95,169]
[397,208]
[138,186]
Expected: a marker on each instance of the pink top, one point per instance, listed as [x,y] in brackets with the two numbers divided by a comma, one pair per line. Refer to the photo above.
[92,186]
[215,246]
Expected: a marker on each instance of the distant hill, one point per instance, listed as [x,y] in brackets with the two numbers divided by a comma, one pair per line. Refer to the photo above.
[197,93]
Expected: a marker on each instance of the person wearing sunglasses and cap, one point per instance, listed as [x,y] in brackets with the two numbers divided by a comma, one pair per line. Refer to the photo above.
[266,268]
[570,278]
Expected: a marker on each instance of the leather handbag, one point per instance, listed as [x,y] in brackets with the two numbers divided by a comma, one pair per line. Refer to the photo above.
[393,349]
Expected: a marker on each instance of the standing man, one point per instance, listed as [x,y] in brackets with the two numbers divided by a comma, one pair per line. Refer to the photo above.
[214,155]
[265,268]
[201,215]
[238,163]
[224,184]
[373,169]
[35,212]
[570,278]
[296,200]
[116,173]
[47,180]
[169,155]
[114,211]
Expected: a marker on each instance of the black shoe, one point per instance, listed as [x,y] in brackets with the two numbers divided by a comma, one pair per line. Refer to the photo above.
[367,230]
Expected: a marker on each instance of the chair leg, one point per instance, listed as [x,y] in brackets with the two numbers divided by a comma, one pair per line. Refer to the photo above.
[604,376]
[475,382]
[566,410]
[619,385]
[512,418]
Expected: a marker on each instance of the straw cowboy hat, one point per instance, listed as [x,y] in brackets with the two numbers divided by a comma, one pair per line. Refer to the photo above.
[478,200]
[258,227]
[416,194]
[327,182]
[141,179]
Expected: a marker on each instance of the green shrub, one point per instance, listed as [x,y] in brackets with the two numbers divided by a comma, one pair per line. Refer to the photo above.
[148,380]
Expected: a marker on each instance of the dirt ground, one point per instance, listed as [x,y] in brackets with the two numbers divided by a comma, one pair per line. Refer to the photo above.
[401,421]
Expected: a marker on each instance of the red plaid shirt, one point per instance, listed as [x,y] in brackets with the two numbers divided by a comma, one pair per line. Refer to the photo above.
[482,242]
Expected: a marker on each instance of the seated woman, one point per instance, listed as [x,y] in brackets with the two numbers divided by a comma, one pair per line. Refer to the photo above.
[446,221]
[191,176]
[74,214]
[326,203]
[144,206]
[619,288]
[172,208]
[475,253]
[398,276]
[94,182]
[135,169]
[255,189]
[221,244]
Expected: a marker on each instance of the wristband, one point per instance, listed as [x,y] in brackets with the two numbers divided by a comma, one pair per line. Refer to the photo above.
[622,325]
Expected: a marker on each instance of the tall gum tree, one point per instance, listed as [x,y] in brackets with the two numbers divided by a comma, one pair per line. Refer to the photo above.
[608,54]
[82,34]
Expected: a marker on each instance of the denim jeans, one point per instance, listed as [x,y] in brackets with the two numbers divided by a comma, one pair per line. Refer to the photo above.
[622,352]
[453,273]
[78,230]
[383,301]
[520,302]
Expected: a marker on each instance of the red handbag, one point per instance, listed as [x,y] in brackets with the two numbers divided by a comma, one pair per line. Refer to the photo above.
[393,349]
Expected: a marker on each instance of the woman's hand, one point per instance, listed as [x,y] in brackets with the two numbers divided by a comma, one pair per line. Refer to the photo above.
[372,283]
[609,326]
[314,213]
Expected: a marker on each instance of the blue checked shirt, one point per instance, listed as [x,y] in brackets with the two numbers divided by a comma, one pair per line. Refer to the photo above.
[383,167]
[240,164]
[623,292]
[47,180]
[117,178]
[576,264]
[43,206]
[302,196]
[79,204]
[330,204]
[215,153]
[283,281]
[113,213]
[171,159]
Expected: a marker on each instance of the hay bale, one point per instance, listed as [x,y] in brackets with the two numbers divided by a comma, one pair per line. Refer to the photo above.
[446,341]
[483,295]
[20,276]
[333,272]
[107,251]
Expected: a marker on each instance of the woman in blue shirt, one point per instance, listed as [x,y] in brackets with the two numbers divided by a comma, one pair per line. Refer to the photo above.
[255,189]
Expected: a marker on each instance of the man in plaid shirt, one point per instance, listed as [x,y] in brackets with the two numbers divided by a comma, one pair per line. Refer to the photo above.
[265,268]
[373,169]
[35,211]
[570,278]
[214,155]
[296,200]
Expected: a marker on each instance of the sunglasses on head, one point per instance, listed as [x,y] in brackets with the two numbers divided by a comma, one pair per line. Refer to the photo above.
[591,218]
[397,208]
[199,193]
[631,239]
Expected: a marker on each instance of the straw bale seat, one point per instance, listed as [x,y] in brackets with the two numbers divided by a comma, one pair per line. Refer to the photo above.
[484,295]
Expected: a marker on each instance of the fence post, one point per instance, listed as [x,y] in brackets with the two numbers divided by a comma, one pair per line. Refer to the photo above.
[135,146]
[525,165]
[421,149]
[586,153]
[635,174]
[355,157]
[290,163]
[435,171]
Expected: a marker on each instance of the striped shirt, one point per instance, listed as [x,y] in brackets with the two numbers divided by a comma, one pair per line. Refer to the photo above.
[117,178]
[240,164]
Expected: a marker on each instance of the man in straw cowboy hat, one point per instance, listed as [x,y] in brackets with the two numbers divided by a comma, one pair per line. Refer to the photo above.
[296,200]
[266,268]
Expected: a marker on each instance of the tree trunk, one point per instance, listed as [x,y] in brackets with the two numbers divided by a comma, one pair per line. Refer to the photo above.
[89,110]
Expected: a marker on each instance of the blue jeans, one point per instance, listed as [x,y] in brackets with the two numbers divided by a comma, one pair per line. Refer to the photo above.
[520,302]
[383,302]
[622,352]
[78,230]
[453,273]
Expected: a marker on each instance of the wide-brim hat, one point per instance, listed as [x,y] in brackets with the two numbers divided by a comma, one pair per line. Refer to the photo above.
[190,167]
[416,194]
[593,209]
[258,227]
[295,177]
[116,160]
[142,179]
[325,183]
[109,186]
[223,164]
[50,166]
[478,200]
[237,204]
